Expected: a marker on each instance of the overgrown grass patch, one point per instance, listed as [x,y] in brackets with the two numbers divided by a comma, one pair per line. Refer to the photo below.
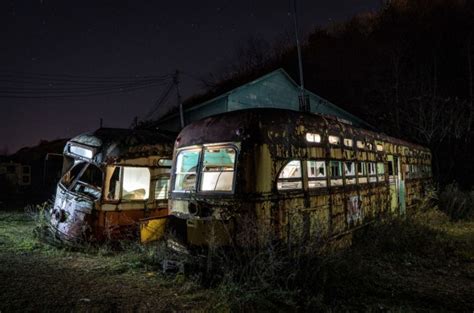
[406,264]
[399,264]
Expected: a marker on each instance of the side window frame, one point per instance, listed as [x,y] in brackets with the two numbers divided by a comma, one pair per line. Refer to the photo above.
[316,179]
[299,179]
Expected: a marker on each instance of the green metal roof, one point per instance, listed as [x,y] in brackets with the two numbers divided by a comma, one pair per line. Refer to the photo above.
[221,99]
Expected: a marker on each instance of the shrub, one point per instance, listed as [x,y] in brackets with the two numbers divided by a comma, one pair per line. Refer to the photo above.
[456,203]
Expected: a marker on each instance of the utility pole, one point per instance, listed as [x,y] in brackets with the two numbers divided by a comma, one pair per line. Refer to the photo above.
[181,113]
[303,98]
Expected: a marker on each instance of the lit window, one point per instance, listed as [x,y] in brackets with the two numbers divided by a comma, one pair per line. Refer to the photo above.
[360,144]
[186,167]
[348,142]
[162,187]
[80,151]
[381,171]
[218,169]
[136,183]
[316,174]
[372,172]
[379,147]
[362,172]
[334,140]
[369,146]
[290,176]
[349,172]
[335,172]
[312,137]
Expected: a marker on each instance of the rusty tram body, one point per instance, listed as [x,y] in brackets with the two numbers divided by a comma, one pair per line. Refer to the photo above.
[301,174]
[112,179]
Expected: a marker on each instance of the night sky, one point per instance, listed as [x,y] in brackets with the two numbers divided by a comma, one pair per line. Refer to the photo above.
[44,42]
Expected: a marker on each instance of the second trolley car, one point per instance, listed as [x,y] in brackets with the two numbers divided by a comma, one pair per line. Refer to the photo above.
[300,174]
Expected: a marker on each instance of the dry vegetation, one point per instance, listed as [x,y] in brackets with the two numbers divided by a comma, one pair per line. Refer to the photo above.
[422,263]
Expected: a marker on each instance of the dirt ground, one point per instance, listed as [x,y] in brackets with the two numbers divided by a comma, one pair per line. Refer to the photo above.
[38,278]
[35,277]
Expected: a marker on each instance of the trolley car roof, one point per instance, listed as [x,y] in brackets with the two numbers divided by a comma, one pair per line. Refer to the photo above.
[269,125]
[110,145]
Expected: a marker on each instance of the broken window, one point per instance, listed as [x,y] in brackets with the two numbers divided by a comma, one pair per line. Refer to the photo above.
[186,168]
[334,140]
[372,172]
[349,172]
[335,172]
[162,187]
[113,192]
[290,176]
[316,174]
[313,137]
[348,142]
[381,171]
[362,172]
[218,169]
[136,183]
[84,178]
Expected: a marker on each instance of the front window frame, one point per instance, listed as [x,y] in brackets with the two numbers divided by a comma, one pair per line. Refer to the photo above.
[197,187]
[201,168]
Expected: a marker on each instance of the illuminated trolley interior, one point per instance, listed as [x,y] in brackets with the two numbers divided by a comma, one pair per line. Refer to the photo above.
[300,174]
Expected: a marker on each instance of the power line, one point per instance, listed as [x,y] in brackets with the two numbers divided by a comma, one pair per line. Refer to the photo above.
[34,85]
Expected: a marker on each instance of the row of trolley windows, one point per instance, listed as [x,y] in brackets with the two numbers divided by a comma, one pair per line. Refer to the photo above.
[318,172]
[291,176]
[347,142]
[121,182]
[417,171]
[133,183]
[360,144]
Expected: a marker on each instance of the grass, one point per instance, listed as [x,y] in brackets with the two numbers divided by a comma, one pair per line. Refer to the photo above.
[423,263]
[36,276]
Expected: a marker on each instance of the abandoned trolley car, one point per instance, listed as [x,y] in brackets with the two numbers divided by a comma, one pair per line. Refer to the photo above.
[300,174]
[112,178]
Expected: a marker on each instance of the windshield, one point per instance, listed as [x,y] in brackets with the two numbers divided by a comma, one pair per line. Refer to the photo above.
[215,167]
[218,169]
[84,178]
[186,167]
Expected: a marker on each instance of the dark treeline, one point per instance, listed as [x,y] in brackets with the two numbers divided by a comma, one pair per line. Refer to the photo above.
[406,69]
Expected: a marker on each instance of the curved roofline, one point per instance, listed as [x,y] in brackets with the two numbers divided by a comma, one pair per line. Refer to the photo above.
[244,124]
[109,145]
